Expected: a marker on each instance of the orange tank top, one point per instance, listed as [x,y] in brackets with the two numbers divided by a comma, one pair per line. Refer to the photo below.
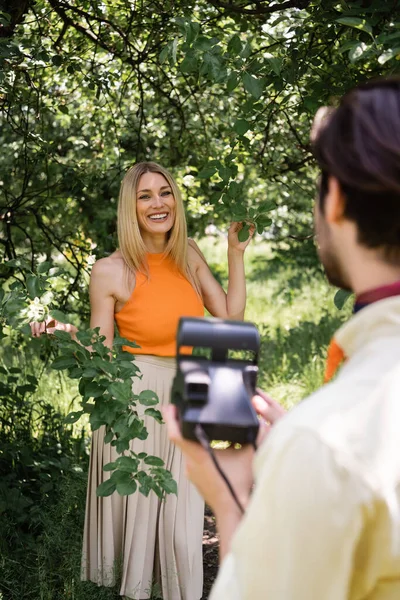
[150,317]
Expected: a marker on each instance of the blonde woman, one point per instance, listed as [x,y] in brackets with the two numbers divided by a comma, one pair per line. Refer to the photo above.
[155,277]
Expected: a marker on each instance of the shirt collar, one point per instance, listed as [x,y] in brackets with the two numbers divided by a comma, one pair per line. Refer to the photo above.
[379,318]
[370,296]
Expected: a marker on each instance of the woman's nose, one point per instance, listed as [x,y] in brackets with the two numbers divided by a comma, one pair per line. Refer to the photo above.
[157,201]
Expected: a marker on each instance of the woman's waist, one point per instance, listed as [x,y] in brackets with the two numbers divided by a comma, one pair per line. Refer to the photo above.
[167,362]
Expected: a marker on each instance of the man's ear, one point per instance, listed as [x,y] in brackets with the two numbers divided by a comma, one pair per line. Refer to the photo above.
[334,202]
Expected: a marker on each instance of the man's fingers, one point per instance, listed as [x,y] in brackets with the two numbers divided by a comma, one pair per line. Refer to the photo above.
[267,408]
[169,414]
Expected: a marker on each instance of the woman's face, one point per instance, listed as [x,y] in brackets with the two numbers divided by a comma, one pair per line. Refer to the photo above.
[155,204]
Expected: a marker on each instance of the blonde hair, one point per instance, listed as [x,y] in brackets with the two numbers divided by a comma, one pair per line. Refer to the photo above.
[131,244]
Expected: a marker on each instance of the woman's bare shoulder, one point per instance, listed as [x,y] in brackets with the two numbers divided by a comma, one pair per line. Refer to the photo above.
[195,255]
[109,271]
[113,264]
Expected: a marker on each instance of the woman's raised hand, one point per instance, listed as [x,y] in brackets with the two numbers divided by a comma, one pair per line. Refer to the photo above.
[49,326]
[233,236]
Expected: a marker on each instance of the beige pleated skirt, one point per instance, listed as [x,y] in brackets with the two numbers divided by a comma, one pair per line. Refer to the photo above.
[153,546]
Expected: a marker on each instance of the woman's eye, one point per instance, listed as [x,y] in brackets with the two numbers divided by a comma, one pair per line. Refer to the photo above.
[167,193]
[143,197]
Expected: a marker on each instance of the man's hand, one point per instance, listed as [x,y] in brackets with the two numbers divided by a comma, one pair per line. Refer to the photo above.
[270,412]
[236,464]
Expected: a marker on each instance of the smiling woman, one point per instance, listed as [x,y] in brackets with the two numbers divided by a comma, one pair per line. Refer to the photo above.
[156,276]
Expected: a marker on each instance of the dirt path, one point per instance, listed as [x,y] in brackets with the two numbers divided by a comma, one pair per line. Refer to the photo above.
[210,552]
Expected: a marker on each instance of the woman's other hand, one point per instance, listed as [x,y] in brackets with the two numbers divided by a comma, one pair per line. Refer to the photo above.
[49,326]
[233,236]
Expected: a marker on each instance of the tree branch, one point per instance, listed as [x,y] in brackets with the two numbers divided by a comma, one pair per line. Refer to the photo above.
[261,10]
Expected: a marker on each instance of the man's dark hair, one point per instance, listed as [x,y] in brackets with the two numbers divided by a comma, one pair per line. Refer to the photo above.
[359,144]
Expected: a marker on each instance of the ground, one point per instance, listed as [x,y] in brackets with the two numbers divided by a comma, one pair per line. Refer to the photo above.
[210,552]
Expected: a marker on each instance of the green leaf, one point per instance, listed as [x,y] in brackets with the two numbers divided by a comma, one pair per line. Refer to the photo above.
[192,31]
[33,286]
[232,81]
[89,373]
[235,45]
[106,488]
[254,86]
[121,390]
[156,414]
[265,206]
[264,221]
[14,263]
[153,461]
[206,172]
[225,173]
[276,63]
[243,234]
[108,437]
[124,488]
[73,417]
[63,108]
[164,54]
[245,53]
[239,213]
[234,190]
[96,420]
[189,63]
[63,336]
[241,126]
[169,485]
[341,297]
[145,482]
[110,466]
[148,398]
[44,266]
[63,362]
[59,316]
[355,22]
[57,60]
[93,390]
[84,337]
[205,43]
[127,464]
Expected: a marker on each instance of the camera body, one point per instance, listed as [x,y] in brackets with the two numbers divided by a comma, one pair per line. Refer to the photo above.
[215,391]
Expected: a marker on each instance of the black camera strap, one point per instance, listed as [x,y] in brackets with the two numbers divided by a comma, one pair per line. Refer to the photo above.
[205,442]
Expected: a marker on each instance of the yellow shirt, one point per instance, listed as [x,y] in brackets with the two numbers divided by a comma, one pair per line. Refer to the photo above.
[324,519]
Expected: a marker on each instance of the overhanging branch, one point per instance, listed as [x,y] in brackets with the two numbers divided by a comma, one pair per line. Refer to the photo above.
[263,8]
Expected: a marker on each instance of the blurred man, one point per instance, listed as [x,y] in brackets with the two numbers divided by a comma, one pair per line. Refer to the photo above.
[323,521]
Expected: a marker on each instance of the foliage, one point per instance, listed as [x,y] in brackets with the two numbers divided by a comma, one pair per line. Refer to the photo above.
[105,384]
[222,93]
[37,453]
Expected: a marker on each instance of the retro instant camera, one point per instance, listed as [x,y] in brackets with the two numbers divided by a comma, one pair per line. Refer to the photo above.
[215,391]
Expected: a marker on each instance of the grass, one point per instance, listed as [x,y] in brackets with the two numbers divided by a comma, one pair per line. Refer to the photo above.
[293,309]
